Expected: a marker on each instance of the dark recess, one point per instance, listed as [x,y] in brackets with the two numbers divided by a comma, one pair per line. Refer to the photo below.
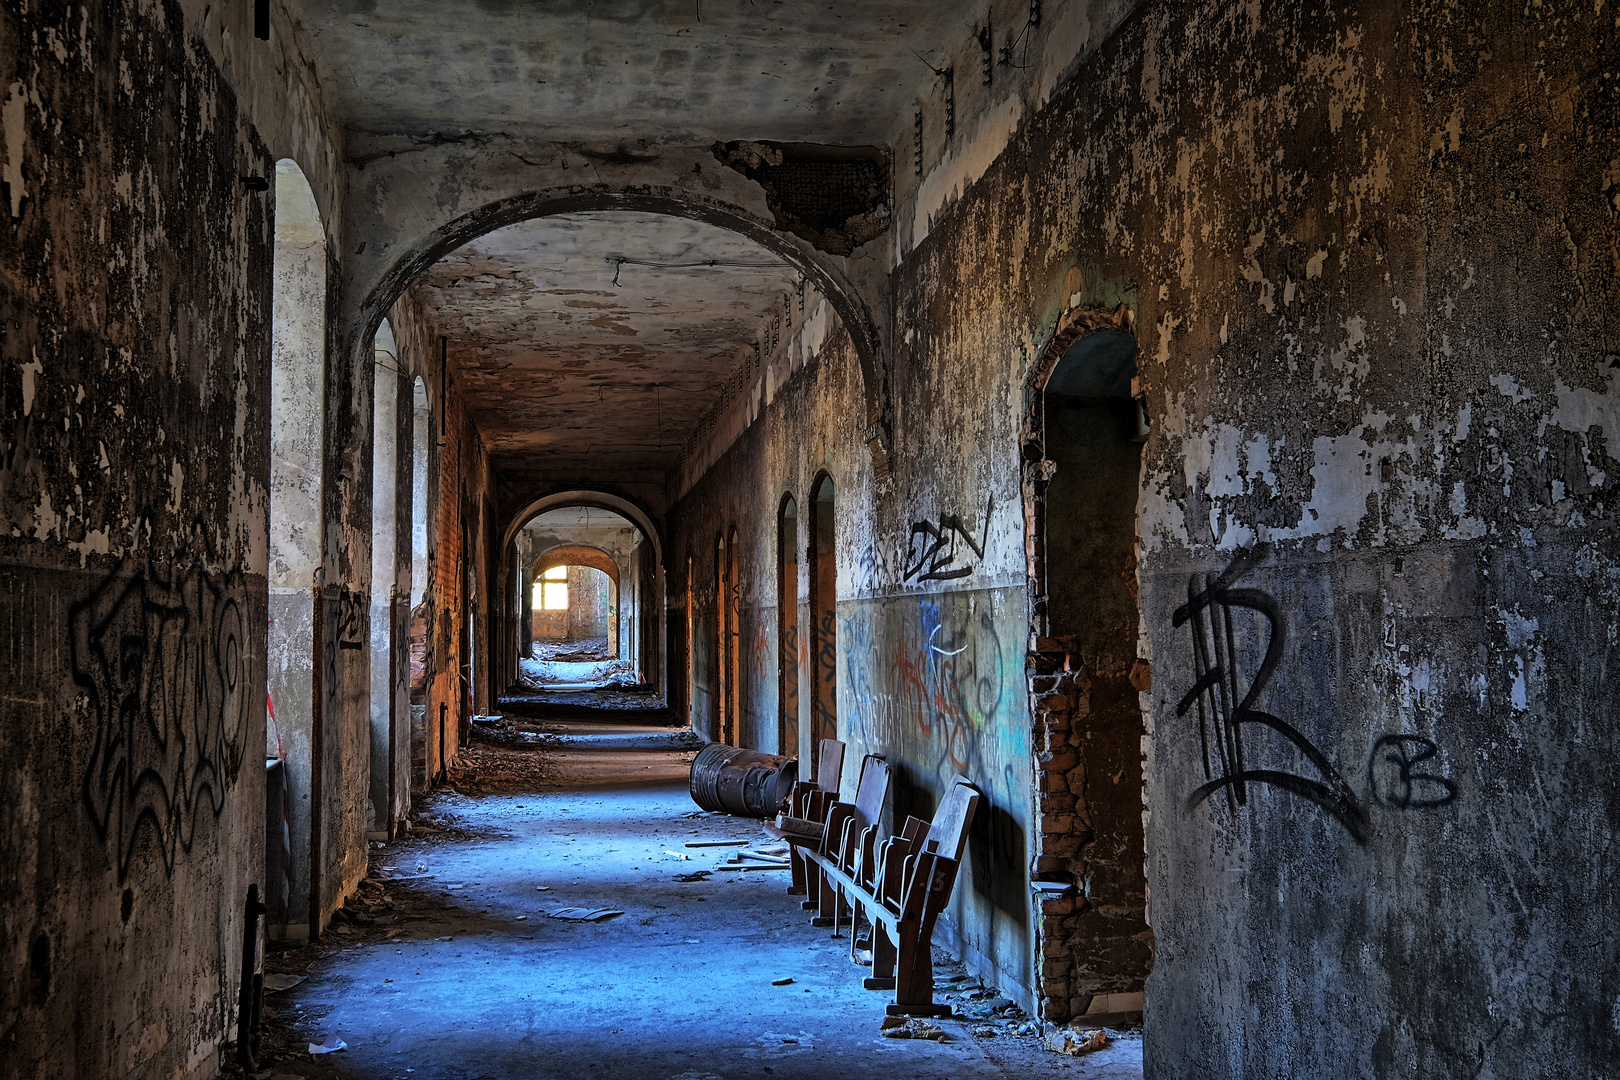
[836,197]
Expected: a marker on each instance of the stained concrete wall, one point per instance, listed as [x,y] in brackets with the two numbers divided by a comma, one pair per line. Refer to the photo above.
[135,296]
[1367,254]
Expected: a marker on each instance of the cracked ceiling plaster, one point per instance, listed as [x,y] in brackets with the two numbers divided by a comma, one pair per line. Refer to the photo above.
[603,69]
[600,338]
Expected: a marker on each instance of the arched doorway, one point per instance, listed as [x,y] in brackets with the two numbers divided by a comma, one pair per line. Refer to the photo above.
[297,431]
[724,730]
[578,599]
[823,615]
[739,733]
[787,627]
[1084,474]
[642,628]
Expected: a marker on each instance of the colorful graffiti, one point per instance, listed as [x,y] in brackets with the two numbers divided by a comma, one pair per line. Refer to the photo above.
[943,688]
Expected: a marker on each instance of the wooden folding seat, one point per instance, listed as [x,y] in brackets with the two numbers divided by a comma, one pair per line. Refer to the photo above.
[850,840]
[915,873]
[807,807]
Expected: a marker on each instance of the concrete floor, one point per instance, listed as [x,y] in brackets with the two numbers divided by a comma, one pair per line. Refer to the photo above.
[474,980]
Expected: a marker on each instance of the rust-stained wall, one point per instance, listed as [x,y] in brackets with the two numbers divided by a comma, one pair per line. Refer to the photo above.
[135,306]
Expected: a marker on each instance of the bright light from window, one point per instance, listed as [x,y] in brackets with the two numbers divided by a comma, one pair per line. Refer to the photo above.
[555,595]
[556,573]
[537,599]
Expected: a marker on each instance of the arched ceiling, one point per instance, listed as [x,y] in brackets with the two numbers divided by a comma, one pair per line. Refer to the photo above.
[593,339]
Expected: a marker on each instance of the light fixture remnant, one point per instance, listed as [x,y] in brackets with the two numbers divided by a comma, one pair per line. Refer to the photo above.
[986,52]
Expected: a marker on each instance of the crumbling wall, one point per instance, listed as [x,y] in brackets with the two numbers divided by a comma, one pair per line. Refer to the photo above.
[1371,251]
[1368,252]
[135,305]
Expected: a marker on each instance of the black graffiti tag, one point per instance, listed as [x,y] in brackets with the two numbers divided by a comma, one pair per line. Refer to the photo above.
[1225,707]
[162,666]
[1393,780]
[937,552]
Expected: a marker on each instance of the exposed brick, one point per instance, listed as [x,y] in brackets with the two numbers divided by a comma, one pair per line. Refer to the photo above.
[1058,761]
[1057,905]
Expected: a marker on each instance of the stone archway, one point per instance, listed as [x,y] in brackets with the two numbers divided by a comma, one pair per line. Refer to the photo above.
[656,644]
[867,332]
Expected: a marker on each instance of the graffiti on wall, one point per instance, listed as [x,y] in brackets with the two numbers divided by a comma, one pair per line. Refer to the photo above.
[1394,780]
[351,620]
[1226,708]
[1399,772]
[932,551]
[162,665]
[936,684]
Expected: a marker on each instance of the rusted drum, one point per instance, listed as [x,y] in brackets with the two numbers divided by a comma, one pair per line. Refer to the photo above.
[730,780]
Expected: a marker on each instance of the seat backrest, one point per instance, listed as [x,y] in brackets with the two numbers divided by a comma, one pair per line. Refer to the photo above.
[829,765]
[948,834]
[873,790]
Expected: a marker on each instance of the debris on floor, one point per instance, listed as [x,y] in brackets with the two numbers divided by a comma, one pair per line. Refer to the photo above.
[696,875]
[329,1045]
[275,981]
[1076,1041]
[782,982]
[913,1028]
[579,914]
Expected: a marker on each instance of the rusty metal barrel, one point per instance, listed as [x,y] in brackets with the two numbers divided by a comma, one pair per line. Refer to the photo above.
[730,780]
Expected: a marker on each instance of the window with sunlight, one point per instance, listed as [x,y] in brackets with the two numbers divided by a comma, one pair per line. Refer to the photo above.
[551,591]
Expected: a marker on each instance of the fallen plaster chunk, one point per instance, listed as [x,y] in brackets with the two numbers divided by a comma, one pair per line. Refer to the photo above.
[1076,1041]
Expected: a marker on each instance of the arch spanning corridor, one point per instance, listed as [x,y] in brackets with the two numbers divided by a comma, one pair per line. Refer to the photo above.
[1195,426]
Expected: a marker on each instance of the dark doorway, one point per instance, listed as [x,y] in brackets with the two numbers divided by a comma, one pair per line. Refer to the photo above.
[787,627]
[1093,430]
[824,616]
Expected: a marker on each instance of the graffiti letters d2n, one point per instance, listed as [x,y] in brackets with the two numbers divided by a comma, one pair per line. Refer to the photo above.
[931,551]
[1226,708]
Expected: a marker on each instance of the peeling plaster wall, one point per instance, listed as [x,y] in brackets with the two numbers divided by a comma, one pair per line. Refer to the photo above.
[1371,253]
[1380,344]
[929,673]
[135,305]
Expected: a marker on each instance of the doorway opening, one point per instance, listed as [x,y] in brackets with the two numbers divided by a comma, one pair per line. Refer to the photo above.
[787,629]
[823,614]
[733,605]
[297,396]
[582,576]
[723,730]
[1084,458]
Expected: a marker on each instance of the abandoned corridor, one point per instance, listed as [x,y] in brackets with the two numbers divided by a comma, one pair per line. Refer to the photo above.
[1174,442]
[471,978]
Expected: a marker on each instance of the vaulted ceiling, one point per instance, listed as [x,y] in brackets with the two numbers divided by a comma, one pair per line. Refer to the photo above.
[600,338]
